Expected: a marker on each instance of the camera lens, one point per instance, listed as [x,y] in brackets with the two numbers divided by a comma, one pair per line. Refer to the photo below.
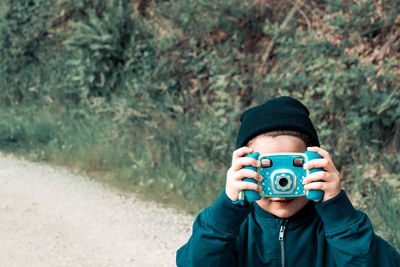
[283,182]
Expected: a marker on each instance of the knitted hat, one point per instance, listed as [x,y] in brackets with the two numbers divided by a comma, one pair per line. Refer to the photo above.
[282,113]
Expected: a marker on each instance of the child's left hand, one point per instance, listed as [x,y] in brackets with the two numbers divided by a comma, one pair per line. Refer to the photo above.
[328,180]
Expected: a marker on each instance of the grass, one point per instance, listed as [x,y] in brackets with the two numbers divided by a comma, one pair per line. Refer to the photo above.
[162,163]
[148,167]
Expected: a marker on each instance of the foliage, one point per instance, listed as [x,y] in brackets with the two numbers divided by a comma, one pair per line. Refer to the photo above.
[149,92]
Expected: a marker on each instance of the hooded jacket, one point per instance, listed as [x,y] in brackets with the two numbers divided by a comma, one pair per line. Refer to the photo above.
[331,233]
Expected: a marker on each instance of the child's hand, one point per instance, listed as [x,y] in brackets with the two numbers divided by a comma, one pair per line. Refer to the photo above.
[330,177]
[236,173]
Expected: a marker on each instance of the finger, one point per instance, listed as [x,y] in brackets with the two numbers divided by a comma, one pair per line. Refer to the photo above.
[323,153]
[244,161]
[318,163]
[241,152]
[246,173]
[316,176]
[248,186]
[330,190]
[316,186]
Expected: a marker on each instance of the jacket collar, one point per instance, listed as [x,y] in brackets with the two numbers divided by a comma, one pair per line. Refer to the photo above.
[303,216]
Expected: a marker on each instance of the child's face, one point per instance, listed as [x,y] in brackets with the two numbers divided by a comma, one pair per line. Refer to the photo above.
[281,207]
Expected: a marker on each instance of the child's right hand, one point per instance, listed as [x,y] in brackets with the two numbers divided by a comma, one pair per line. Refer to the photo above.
[236,173]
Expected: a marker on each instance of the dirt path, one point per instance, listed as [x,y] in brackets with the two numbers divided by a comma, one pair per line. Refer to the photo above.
[50,217]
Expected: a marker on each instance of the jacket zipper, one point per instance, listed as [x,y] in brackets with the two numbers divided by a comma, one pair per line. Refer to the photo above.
[281,238]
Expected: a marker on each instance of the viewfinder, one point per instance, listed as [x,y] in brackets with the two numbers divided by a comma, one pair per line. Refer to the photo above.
[266,163]
[298,162]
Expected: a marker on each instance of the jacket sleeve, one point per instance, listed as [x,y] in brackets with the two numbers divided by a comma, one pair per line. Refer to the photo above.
[350,235]
[214,233]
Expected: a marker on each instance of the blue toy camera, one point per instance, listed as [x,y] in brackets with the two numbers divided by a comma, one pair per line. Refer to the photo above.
[283,176]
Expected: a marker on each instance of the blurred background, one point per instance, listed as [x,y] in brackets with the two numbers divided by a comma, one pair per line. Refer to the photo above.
[146,94]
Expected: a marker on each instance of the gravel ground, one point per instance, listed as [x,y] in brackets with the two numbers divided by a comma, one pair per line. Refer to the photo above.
[51,217]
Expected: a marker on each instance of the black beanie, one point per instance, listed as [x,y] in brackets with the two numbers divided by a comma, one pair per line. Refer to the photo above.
[282,113]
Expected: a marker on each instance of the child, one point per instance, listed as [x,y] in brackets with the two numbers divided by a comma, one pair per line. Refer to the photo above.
[283,231]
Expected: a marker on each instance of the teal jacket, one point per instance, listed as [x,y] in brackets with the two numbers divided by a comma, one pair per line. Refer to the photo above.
[332,233]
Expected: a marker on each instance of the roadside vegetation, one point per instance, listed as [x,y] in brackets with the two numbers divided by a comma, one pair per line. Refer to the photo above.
[146,95]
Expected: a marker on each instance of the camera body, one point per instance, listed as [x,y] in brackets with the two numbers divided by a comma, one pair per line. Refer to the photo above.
[283,176]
